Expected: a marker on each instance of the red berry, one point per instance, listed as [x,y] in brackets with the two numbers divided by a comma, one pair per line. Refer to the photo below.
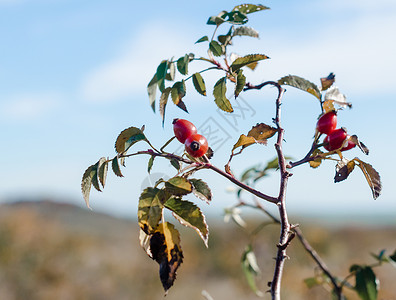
[183,129]
[348,146]
[335,140]
[327,123]
[196,145]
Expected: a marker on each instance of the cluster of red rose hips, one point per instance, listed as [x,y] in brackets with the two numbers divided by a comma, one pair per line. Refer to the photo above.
[195,144]
[336,138]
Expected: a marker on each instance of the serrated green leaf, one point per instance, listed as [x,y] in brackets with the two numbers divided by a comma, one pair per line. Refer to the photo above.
[250,269]
[178,186]
[372,176]
[216,48]
[219,92]
[178,91]
[302,84]
[240,83]
[201,190]
[102,170]
[151,203]
[150,163]
[245,31]
[95,179]
[202,39]
[152,91]
[182,64]
[246,60]
[162,70]
[86,182]
[188,214]
[366,282]
[249,8]
[127,138]
[199,83]
[116,167]
[163,101]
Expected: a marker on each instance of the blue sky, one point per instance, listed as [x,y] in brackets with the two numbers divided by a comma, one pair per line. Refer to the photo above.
[73,74]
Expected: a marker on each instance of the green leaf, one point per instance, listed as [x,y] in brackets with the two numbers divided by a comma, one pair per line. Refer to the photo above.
[178,186]
[162,70]
[188,214]
[201,190]
[199,83]
[251,269]
[301,84]
[366,282]
[216,48]
[175,163]
[163,101]
[165,249]
[95,179]
[219,92]
[150,163]
[182,64]
[235,17]
[116,167]
[102,170]
[170,76]
[151,203]
[372,176]
[86,182]
[202,39]
[177,93]
[245,31]
[240,83]
[152,91]
[217,20]
[246,60]
[249,8]
[127,138]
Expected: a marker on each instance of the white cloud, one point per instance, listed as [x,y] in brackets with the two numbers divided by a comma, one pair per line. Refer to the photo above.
[29,106]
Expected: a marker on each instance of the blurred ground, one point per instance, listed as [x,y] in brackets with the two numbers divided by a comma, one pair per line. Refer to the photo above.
[57,251]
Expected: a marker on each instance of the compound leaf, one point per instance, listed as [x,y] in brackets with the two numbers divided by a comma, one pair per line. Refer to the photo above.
[219,92]
[188,214]
[302,84]
[127,138]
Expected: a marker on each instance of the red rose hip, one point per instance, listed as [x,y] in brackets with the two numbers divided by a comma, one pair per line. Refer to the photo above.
[335,140]
[196,145]
[327,123]
[183,129]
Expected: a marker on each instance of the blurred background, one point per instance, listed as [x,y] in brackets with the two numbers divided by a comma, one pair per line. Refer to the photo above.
[73,75]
